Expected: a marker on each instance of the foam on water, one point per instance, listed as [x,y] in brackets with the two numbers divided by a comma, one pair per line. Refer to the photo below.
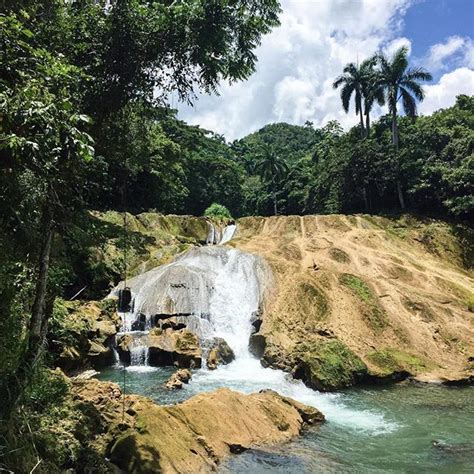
[247,375]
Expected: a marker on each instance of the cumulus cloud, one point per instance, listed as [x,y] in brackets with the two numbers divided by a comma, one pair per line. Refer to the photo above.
[455,51]
[298,62]
[443,94]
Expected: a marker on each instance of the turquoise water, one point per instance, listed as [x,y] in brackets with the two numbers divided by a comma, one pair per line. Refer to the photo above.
[390,429]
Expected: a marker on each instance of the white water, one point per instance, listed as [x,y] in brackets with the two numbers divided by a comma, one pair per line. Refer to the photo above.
[228,234]
[222,288]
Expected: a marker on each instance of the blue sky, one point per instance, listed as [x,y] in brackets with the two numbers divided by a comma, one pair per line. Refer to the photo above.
[299,60]
[428,22]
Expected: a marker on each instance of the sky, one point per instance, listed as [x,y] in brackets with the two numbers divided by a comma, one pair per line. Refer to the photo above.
[298,61]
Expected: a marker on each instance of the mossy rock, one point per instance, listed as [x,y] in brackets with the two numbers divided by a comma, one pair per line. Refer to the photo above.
[373,313]
[328,365]
[390,361]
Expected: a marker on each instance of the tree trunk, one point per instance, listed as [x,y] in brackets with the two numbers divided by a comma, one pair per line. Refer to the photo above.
[361,115]
[367,124]
[366,200]
[38,322]
[401,198]
[395,129]
[275,208]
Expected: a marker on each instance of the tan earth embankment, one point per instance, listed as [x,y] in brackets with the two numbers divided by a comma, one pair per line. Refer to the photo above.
[363,294]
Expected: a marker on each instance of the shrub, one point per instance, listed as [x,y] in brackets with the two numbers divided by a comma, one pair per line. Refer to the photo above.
[217,211]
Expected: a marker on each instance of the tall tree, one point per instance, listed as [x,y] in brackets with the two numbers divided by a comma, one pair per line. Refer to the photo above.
[272,168]
[353,81]
[400,82]
[372,91]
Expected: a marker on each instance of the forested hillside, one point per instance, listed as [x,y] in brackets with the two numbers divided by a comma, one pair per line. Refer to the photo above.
[88,137]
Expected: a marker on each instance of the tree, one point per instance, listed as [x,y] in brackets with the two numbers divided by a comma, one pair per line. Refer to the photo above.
[400,82]
[355,80]
[272,168]
[43,144]
[372,91]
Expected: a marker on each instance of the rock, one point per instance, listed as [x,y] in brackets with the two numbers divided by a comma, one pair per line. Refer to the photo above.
[83,333]
[86,375]
[178,379]
[140,323]
[328,365]
[123,348]
[167,440]
[168,347]
[99,355]
[172,323]
[257,345]
[220,353]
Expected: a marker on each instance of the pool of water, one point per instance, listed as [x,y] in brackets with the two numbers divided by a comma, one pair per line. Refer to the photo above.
[401,428]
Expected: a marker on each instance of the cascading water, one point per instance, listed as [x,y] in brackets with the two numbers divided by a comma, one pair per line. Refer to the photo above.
[215,291]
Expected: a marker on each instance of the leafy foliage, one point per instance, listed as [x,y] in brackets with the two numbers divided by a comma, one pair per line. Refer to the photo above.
[217,211]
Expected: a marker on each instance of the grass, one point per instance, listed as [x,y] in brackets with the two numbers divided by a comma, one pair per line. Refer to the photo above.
[314,298]
[339,255]
[374,314]
[391,360]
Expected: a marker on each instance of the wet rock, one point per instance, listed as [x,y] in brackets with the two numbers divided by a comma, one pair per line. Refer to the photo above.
[220,353]
[328,365]
[168,347]
[178,379]
[257,345]
[172,323]
[123,348]
[140,323]
[99,355]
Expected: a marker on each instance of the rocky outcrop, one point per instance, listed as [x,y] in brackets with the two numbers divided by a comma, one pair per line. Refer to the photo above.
[138,436]
[219,353]
[178,379]
[394,293]
[168,347]
[82,334]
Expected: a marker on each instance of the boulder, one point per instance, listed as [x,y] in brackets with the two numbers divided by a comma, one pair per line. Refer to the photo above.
[168,347]
[178,379]
[123,348]
[172,323]
[257,345]
[220,353]
[99,355]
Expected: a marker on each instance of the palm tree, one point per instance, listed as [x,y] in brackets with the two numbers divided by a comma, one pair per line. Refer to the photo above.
[354,79]
[400,82]
[272,169]
[372,91]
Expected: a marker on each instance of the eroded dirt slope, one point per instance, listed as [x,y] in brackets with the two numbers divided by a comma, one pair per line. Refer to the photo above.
[393,294]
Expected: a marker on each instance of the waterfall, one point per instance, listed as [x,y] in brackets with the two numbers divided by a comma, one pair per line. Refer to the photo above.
[217,236]
[213,290]
[228,234]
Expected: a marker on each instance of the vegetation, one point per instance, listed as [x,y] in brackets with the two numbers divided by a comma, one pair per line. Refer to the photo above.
[375,314]
[218,212]
[328,365]
[85,130]
[391,360]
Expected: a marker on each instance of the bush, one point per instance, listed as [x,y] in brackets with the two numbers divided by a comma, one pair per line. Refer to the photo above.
[217,211]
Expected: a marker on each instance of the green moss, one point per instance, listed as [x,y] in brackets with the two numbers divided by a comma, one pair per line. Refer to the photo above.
[374,314]
[339,255]
[314,298]
[358,287]
[470,303]
[328,365]
[391,360]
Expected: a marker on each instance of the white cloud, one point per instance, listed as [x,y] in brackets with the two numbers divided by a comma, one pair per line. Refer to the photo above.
[443,94]
[298,62]
[456,50]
